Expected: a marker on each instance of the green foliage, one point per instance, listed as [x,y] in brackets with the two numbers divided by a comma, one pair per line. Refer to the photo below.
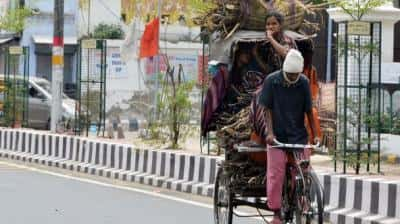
[108,31]
[357,146]
[358,8]
[396,125]
[359,122]
[352,160]
[91,102]
[173,109]
[365,48]
[14,19]
[14,102]
[385,121]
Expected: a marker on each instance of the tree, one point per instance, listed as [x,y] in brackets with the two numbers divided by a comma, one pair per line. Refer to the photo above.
[174,108]
[108,31]
[358,111]
[14,19]
[358,8]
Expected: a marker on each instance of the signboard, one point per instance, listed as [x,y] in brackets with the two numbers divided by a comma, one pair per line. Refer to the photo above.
[189,63]
[116,68]
[15,50]
[359,28]
[89,44]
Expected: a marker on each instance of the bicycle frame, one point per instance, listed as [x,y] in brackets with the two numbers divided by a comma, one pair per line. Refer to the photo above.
[298,185]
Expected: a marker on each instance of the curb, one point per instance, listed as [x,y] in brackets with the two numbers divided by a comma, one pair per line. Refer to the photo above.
[356,199]
[174,171]
[348,199]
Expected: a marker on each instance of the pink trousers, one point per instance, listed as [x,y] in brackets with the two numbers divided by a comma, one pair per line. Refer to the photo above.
[276,170]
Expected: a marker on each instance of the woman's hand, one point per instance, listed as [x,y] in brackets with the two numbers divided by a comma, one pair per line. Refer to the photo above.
[270,35]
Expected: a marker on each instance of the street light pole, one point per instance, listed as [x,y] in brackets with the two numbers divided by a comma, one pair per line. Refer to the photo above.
[57,64]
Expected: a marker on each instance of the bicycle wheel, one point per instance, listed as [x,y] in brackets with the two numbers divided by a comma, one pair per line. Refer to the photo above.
[223,209]
[309,208]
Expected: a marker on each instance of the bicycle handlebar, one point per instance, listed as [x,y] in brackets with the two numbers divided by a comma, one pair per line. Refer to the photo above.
[277,145]
[294,146]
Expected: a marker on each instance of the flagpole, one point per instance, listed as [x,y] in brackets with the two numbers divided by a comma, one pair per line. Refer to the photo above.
[157,61]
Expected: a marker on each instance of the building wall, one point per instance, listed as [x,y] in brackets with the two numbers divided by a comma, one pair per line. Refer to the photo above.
[101,11]
[42,24]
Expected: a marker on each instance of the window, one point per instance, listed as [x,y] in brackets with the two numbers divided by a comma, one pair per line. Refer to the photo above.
[34,93]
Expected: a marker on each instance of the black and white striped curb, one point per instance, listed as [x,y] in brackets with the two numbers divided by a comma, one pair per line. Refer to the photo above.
[171,170]
[359,200]
[348,199]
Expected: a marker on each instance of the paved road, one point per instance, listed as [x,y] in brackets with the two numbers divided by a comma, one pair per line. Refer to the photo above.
[31,197]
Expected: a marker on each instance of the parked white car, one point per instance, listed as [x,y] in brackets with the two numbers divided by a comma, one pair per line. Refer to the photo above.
[40,103]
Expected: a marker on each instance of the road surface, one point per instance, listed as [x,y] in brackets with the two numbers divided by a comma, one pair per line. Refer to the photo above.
[35,196]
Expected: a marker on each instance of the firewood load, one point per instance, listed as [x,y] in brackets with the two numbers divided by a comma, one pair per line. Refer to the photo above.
[239,115]
[231,22]
[228,16]
[234,121]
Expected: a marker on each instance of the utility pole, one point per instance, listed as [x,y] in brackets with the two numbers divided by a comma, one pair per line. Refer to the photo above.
[58,64]
[158,59]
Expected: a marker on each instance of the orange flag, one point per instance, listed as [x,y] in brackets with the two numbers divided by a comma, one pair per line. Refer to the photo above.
[149,41]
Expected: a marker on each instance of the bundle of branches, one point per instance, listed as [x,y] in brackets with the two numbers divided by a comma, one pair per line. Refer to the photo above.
[246,176]
[232,120]
[230,15]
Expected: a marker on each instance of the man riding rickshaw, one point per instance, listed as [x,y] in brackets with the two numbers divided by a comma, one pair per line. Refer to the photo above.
[258,97]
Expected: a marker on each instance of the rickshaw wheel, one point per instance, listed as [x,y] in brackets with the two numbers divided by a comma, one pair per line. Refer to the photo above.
[223,208]
[310,206]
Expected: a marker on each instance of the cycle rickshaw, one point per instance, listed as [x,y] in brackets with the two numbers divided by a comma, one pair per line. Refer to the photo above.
[241,177]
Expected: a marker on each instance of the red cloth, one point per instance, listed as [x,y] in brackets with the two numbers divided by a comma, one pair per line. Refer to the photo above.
[150,38]
[311,74]
[215,94]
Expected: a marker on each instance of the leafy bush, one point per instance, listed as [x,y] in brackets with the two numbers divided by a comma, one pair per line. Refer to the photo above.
[14,19]
[173,110]
[108,31]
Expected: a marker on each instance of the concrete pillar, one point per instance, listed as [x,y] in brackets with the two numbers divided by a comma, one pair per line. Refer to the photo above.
[388,40]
